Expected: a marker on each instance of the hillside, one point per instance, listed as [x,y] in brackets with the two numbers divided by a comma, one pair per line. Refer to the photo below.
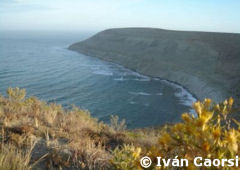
[39,135]
[207,64]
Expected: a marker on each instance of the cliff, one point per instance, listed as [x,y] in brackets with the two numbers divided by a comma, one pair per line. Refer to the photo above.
[207,64]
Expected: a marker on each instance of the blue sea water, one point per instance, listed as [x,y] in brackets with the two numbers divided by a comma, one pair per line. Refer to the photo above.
[41,63]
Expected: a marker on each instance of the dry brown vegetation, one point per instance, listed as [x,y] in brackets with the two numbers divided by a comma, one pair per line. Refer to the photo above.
[61,138]
[38,135]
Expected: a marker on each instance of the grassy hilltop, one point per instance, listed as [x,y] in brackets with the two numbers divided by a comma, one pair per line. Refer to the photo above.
[37,135]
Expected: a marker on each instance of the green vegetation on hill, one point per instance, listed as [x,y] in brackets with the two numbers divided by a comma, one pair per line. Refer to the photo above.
[38,135]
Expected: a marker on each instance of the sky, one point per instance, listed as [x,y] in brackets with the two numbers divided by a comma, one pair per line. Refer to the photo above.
[97,15]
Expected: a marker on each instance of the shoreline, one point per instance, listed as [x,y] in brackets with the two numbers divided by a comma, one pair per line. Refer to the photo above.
[188,89]
[206,64]
[176,84]
[152,77]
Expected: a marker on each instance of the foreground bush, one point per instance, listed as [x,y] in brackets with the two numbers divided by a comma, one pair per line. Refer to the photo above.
[72,139]
[210,134]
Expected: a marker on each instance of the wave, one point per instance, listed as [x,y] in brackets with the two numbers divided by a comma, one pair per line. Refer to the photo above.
[182,93]
[140,93]
[103,72]
[127,79]
[128,72]
[185,97]
[145,79]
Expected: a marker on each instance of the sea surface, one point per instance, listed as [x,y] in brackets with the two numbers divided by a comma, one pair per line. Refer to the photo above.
[41,63]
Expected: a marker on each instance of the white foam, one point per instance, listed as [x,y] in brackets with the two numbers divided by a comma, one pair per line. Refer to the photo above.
[184,96]
[140,93]
[131,73]
[127,79]
[119,79]
[144,93]
[139,75]
[142,79]
[103,72]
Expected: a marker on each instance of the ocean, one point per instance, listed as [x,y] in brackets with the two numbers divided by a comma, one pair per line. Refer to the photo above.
[41,63]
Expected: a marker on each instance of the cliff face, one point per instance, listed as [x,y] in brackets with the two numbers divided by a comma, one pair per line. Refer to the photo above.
[208,64]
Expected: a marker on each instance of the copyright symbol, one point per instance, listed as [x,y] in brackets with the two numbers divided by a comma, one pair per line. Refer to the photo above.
[145,162]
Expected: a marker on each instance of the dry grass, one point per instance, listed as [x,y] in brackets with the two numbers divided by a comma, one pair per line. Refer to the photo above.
[65,138]
[37,135]
[13,159]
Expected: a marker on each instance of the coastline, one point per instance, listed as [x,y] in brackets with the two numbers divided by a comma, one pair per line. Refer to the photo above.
[171,83]
[198,61]
[190,89]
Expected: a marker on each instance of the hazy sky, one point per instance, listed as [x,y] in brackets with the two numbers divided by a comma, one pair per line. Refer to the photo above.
[95,15]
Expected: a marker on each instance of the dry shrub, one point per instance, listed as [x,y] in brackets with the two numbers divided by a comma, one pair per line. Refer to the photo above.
[24,118]
[73,139]
[17,158]
[116,124]
[90,154]
[13,159]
